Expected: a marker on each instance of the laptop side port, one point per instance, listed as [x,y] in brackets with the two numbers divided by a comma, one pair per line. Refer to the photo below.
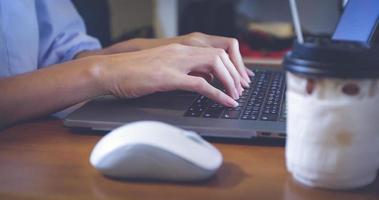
[264,134]
[271,135]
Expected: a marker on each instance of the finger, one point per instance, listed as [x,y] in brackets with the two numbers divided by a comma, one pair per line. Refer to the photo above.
[231,45]
[249,72]
[220,71]
[226,61]
[200,85]
[232,70]
[209,62]
[236,57]
[201,42]
[207,76]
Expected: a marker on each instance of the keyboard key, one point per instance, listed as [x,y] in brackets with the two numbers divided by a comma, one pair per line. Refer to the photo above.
[192,114]
[213,113]
[231,114]
[268,117]
[245,117]
[253,117]
[261,101]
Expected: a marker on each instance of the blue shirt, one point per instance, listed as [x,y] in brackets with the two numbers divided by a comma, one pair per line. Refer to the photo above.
[39,33]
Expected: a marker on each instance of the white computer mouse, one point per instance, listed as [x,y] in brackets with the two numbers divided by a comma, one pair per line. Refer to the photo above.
[150,150]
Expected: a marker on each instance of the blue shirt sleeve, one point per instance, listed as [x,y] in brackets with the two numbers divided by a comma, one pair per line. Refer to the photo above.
[62,32]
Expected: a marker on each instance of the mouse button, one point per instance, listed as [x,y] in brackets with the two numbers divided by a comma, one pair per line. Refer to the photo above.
[116,137]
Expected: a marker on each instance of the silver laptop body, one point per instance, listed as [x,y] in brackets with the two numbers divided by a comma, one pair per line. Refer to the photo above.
[107,112]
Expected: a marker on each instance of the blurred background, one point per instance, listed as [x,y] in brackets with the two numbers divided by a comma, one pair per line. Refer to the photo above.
[263,27]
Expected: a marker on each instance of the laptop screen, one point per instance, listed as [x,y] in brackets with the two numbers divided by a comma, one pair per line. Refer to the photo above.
[358,21]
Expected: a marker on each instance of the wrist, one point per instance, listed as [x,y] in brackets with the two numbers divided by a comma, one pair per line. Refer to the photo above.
[84,54]
[138,44]
[97,72]
[148,43]
[126,46]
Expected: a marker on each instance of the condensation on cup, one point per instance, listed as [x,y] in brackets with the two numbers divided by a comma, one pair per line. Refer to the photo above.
[333,114]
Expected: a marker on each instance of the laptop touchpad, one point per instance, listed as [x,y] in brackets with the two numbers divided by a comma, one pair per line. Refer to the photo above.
[177,100]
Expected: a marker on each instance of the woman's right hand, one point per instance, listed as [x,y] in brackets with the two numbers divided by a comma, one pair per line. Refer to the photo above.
[130,75]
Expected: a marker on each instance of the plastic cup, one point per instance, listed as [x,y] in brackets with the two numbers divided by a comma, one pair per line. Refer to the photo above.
[332,114]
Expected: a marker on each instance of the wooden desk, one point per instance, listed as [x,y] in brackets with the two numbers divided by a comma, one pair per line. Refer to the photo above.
[44,160]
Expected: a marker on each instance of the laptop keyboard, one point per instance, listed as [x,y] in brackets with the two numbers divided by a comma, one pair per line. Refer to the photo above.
[264,100]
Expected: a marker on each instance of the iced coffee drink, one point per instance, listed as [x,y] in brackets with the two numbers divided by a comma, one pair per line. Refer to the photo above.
[333,115]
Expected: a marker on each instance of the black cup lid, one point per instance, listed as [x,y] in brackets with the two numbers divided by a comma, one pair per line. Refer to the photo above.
[322,57]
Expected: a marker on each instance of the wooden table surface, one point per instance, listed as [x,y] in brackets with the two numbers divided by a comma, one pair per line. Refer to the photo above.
[44,160]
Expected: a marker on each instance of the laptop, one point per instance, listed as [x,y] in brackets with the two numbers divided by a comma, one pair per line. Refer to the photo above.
[261,111]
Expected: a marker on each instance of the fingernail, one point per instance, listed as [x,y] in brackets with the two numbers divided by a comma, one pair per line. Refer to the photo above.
[239,89]
[237,96]
[234,94]
[249,72]
[248,79]
[245,83]
[232,103]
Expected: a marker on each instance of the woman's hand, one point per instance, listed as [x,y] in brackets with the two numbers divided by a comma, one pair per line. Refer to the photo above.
[124,75]
[167,68]
[230,45]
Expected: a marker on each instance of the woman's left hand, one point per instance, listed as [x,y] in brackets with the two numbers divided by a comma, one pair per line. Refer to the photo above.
[230,45]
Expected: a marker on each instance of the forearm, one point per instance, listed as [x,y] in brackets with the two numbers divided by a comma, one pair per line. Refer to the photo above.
[126,46]
[48,90]
[130,46]
[144,43]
